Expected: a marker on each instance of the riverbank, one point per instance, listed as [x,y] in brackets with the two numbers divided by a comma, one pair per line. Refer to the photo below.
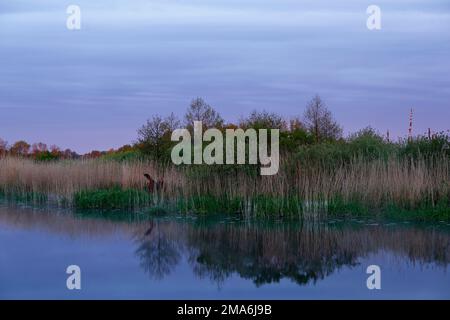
[399,187]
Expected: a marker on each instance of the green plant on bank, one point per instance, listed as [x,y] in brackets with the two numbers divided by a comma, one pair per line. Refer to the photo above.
[24,197]
[362,175]
[423,210]
[109,199]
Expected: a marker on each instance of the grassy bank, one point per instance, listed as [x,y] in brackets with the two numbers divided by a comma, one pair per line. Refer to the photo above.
[304,186]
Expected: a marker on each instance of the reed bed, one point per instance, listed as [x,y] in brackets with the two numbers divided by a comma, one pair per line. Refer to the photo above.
[299,187]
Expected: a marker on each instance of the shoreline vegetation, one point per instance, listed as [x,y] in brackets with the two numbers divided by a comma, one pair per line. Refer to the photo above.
[308,188]
[321,173]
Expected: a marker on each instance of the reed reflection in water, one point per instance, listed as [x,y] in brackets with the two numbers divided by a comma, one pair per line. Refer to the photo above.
[263,252]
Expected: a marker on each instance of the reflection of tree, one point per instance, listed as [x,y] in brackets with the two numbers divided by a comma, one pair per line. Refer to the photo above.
[265,253]
[157,253]
[261,252]
[266,256]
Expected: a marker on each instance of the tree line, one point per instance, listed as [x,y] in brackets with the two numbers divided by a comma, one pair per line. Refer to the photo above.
[317,125]
[315,134]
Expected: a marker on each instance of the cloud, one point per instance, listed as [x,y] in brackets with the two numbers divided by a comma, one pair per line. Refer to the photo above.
[135,58]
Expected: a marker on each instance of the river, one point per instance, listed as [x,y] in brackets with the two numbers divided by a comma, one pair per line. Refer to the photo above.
[138,256]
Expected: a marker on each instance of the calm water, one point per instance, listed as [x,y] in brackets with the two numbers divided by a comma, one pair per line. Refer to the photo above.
[220,257]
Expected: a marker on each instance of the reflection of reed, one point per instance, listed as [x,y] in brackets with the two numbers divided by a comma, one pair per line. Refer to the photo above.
[263,253]
[306,253]
[62,222]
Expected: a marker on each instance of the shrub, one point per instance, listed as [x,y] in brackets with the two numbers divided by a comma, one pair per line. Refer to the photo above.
[115,198]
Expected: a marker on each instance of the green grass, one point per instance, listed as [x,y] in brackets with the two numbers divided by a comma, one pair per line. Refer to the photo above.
[421,211]
[110,199]
[24,197]
[261,205]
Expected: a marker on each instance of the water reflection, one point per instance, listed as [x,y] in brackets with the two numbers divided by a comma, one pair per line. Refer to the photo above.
[263,252]
[305,253]
[157,252]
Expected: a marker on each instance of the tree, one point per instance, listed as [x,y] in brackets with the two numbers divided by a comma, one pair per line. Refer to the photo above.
[40,152]
[69,154]
[264,120]
[199,110]
[369,143]
[37,148]
[319,121]
[125,148]
[154,135]
[296,136]
[152,131]
[55,151]
[296,124]
[172,122]
[20,148]
[366,133]
[3,147]
[93,154]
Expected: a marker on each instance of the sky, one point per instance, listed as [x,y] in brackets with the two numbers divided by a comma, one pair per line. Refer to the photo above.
[93,88]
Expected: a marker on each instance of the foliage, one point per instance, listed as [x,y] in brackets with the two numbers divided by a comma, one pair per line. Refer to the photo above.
[263,120]
[129,155]
[426,146]
[108,199]
[154,136]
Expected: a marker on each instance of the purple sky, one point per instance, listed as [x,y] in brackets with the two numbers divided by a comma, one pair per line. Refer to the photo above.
[92,88]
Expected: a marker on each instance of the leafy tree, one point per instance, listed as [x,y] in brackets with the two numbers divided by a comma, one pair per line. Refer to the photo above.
[93,154]
[20,148]
[369,143]
[45,156]
[264,120]
[55,151]
[37,148]
[69,154]
[292,139]
[3,147]
[296,124]
[319,121]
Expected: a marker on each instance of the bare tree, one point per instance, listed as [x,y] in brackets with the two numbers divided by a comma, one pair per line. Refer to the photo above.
[199,110]
[153,130]
[319,121]
[155,133]
[172,122]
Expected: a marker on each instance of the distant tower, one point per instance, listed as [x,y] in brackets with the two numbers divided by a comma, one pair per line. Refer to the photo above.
[410,124]
[388,136]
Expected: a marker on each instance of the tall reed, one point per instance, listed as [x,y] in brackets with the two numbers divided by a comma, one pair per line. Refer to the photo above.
[298,187]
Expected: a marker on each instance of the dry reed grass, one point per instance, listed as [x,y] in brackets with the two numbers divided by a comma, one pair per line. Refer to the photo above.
[377,182]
